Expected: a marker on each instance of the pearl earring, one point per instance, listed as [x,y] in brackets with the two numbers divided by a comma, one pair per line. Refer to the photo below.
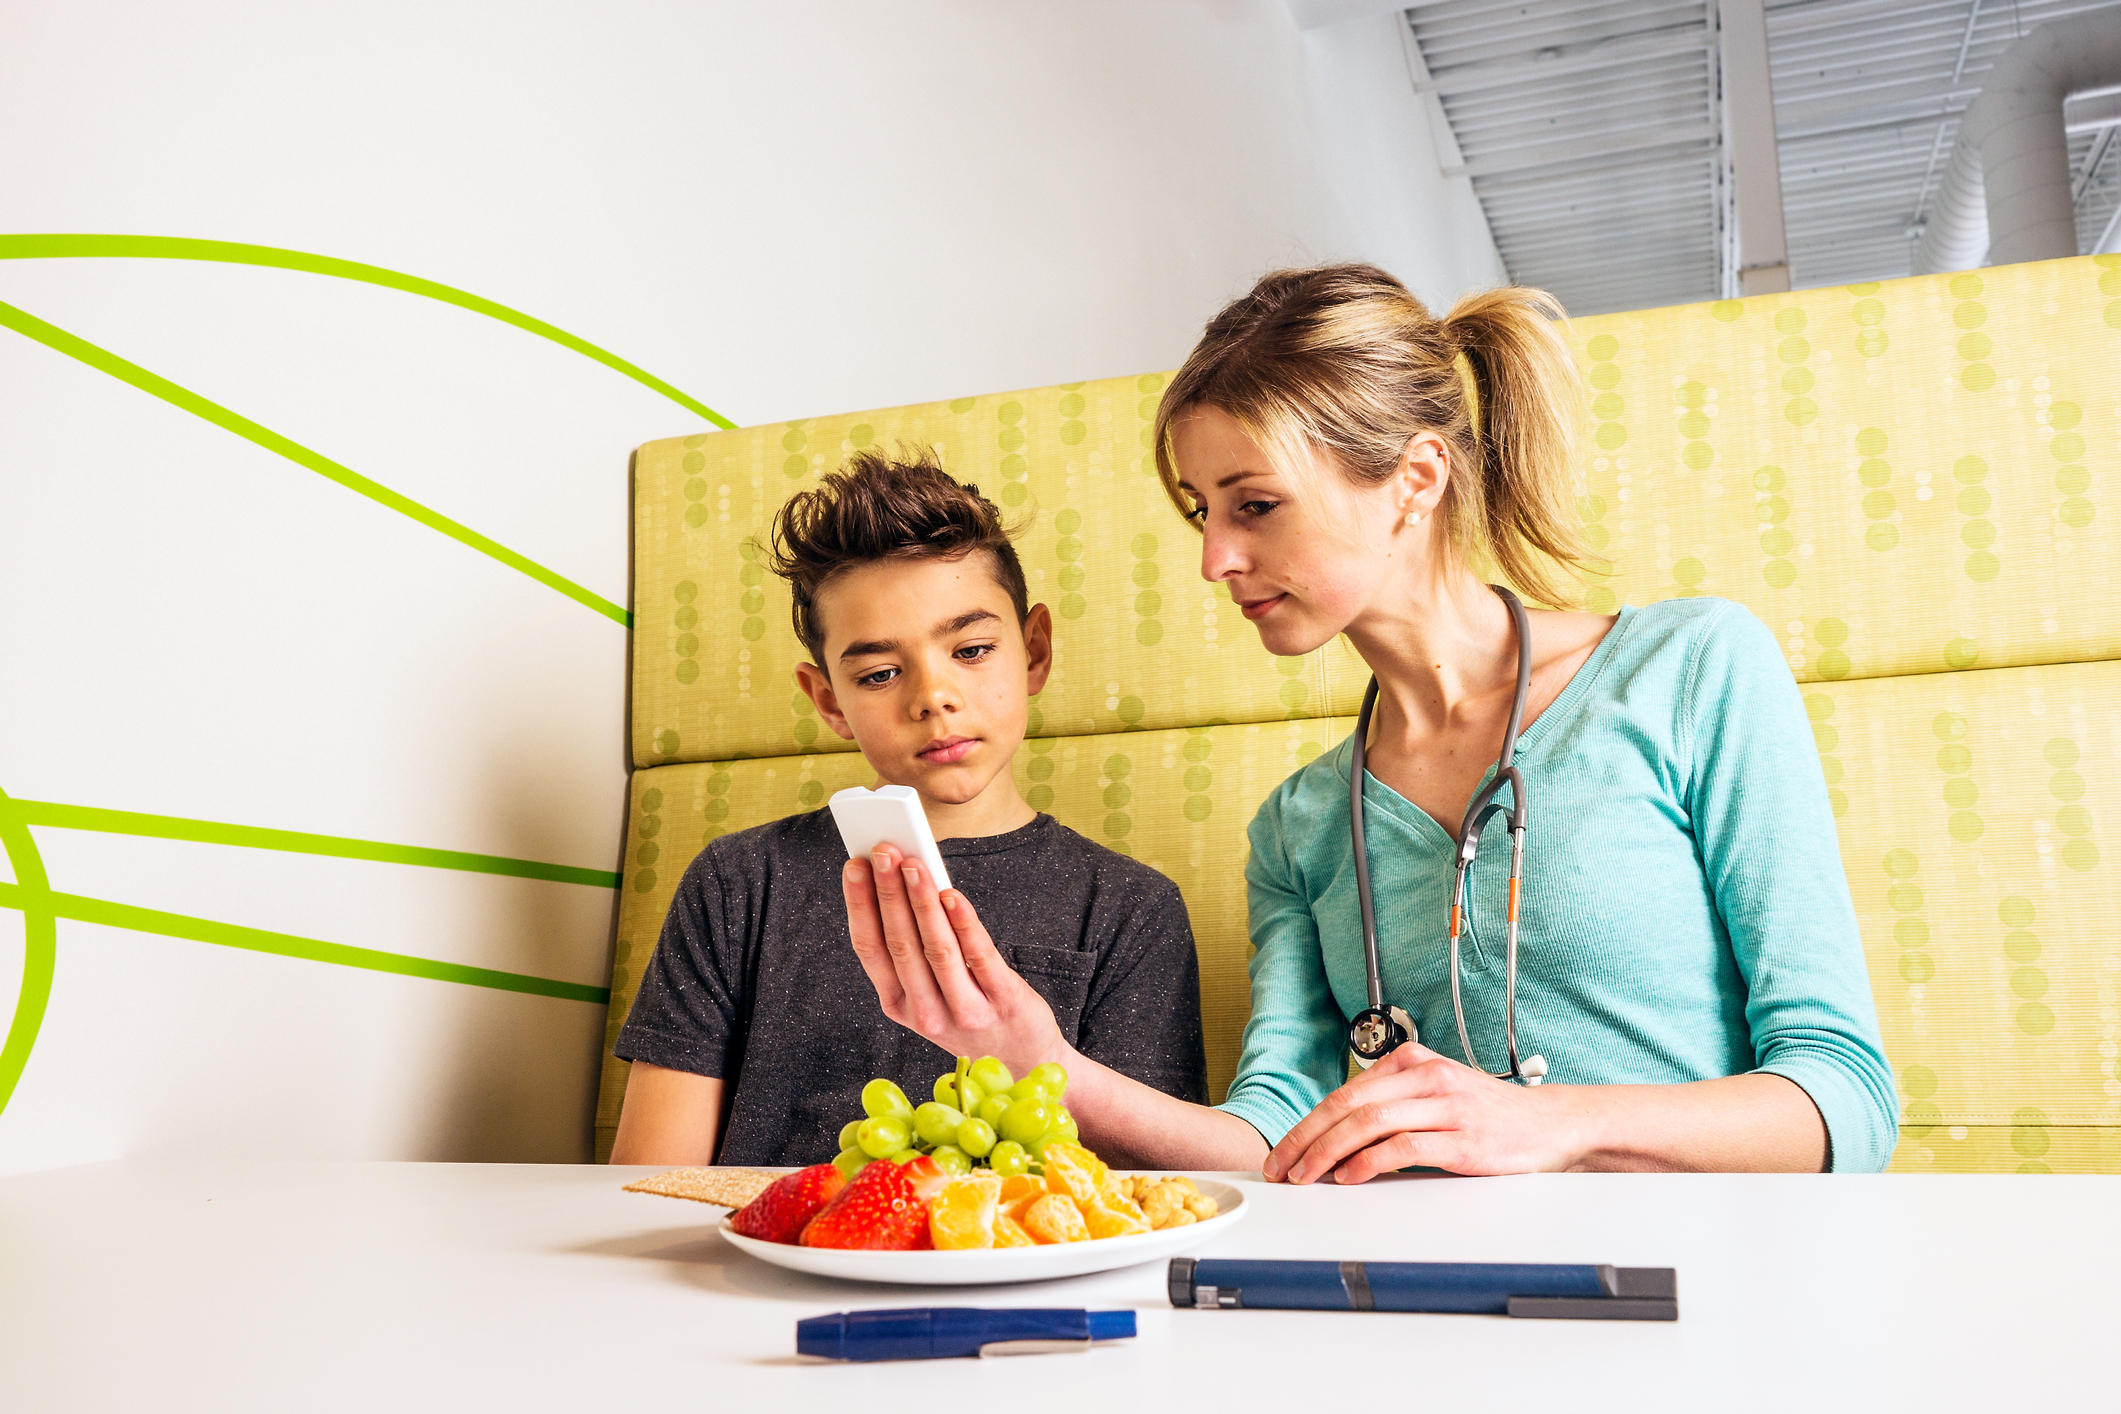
[1413,518]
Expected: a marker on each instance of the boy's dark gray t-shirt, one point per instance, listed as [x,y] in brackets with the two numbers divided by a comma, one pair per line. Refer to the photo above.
[755,981]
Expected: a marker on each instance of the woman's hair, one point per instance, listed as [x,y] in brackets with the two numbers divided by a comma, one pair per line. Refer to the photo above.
[1343,359]
[884,508]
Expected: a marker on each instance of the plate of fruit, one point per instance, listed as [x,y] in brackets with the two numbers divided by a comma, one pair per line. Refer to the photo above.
[988,1182]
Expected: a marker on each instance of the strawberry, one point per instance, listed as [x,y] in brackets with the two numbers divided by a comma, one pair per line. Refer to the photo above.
[781,1212]
[885,1209]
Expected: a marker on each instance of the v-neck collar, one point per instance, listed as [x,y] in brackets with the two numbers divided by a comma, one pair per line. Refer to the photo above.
[1378,795]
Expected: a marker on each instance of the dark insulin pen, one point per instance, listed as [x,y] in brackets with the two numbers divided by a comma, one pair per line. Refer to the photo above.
[944,1332]
[1584,1293]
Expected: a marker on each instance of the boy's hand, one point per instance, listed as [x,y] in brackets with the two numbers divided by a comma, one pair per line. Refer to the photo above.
[936,971]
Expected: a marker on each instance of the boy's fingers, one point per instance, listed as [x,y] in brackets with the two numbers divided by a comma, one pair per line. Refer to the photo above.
[989,971]
[939,943]
[866,927]
[902,938]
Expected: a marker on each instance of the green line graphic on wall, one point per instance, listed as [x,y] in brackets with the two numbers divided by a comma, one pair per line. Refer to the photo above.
[170,827]
[32,896]
[31,893]
[39,949]
[229,935]
[61,247]
[104,361]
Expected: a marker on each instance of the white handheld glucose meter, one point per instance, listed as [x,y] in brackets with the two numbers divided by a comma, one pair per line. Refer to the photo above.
[888,815]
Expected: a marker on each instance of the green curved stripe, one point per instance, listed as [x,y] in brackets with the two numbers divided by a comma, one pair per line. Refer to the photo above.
[39,938]
[49,247]
[228,935]
[171,827]
[51,336]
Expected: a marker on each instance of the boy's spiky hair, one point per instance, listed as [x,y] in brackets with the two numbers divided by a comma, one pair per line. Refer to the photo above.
[884,508]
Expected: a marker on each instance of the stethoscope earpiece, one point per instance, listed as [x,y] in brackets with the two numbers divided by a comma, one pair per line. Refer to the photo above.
[1377,1029]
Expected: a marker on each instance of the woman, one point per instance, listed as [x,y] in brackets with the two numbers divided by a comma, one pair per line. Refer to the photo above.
[1691,967]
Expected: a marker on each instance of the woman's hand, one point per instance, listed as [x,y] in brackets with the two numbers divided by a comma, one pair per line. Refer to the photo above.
[1416,1108]
[936,971]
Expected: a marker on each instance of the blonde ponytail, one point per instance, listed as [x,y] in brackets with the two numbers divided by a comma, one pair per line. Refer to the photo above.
[1342,359]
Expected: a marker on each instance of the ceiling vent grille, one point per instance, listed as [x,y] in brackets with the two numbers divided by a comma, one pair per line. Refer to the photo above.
[1592,132]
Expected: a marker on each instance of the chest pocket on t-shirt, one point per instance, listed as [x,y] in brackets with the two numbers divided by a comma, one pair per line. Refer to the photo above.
[1060,975]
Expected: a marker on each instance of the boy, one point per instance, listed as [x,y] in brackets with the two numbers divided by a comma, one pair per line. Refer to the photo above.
[756,1026]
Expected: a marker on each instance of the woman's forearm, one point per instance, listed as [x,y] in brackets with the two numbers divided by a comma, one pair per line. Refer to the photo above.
[1757,1123]
[1130,1125]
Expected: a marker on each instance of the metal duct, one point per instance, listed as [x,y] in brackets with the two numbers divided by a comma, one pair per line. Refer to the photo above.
[2005,197]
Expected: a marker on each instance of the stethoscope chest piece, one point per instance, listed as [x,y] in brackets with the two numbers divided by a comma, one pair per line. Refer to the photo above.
[1376,1032]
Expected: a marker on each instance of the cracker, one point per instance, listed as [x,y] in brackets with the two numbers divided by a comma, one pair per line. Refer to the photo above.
[723,1187]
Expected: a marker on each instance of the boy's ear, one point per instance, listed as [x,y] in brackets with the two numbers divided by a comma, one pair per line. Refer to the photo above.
[1038,648]
[817,686]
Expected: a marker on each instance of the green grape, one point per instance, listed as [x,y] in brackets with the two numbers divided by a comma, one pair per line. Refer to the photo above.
[1029,1088]
[990,1109]
[1027,1121]
[849,1133]
[946,1093]
[951,1159]
[992,1075]
[883,1100]
[936,1124]
[975,1137]
[851,1162]
[1054,1077]
[880,1137]
[905,1156]
[1009,1158]
[1064,1128]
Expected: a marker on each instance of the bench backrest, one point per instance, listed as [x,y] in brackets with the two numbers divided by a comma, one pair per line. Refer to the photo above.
[1905,481]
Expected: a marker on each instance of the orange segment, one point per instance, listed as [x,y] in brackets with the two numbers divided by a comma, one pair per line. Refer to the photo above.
[1008,1234]
[1055,1218]
[961,1216]
[1114,1214]
[1019,1192]
[1073,1170]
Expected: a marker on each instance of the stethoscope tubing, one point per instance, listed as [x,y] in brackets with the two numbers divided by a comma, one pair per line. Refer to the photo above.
[1476,817]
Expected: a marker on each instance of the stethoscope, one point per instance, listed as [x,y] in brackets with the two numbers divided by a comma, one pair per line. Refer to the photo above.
[1377,1029]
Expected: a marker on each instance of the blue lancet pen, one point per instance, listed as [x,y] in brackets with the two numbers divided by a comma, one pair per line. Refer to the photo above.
[1522,1289]
[942,1332]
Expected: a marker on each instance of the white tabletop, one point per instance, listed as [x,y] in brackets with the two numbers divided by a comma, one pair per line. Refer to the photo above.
[317,1286]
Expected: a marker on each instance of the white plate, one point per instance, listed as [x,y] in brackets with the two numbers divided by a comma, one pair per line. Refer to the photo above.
[1064,1259]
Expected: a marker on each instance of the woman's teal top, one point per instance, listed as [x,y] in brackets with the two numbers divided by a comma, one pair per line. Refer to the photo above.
[1684,912]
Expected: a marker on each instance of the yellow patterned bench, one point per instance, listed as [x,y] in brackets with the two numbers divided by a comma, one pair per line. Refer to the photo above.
[1905,481]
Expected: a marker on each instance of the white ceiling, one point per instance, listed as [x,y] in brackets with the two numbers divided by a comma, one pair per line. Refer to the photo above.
[1592,132]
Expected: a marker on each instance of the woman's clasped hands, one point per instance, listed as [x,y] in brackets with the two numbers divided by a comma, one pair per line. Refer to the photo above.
[1417,1109]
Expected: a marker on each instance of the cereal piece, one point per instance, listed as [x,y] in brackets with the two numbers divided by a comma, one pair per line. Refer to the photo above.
[1159,1203]
[1181,1218]
[1201,1206]
[1055,1219]
[723,1187]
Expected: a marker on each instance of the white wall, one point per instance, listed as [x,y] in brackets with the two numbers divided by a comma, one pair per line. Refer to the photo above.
[783,209]
[1382,148]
